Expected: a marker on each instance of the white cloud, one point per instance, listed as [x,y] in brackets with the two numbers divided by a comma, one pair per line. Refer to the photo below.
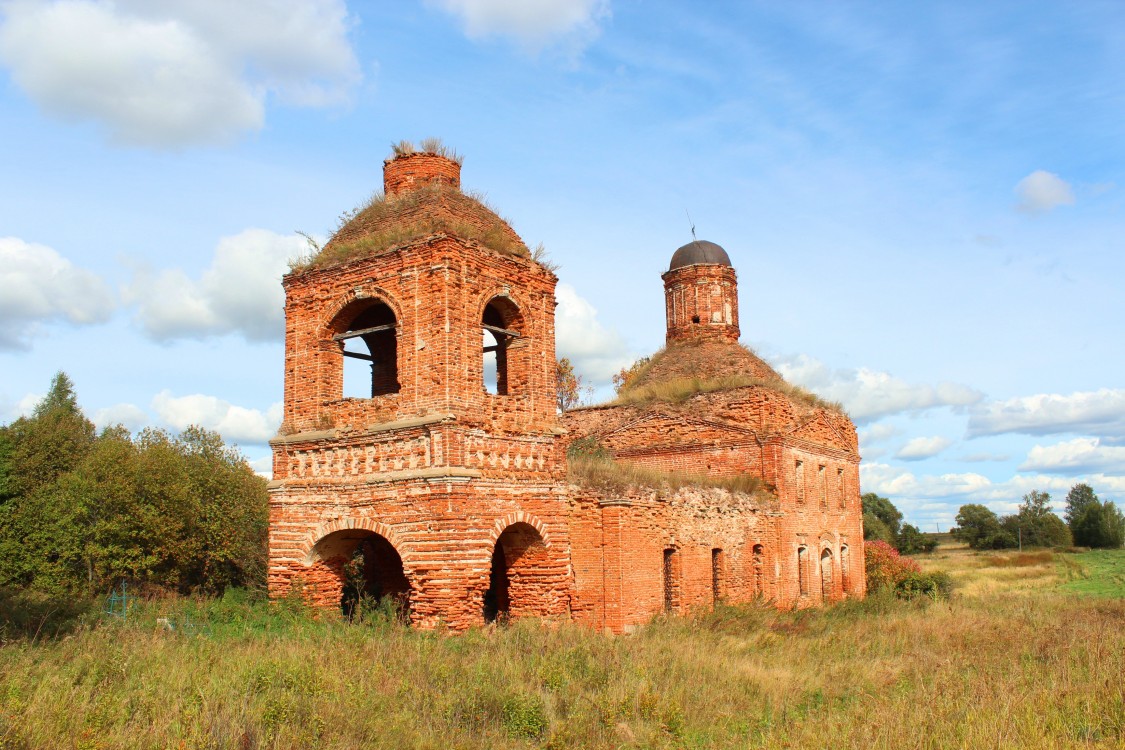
[239,293]
[1041,192]
[130,416]
[1074,456]
[533,23]
[166,73]
[869,394]
[877,433]
[38,285]
[235,423]
[910,491]
[596,353]
[923,447]
[1100,413]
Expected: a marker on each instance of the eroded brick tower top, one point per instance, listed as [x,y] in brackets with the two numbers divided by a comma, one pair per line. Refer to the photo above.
[435,306]
[701,295]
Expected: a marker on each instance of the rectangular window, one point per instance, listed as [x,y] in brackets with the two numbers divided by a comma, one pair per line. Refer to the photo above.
[799,478]
[716,575]
[840,488]
[669,580]
[822,486]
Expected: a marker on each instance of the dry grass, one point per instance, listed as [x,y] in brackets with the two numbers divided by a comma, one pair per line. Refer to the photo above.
[679,390]
[426,146]
[398,222]
[606,474]
[1012,668]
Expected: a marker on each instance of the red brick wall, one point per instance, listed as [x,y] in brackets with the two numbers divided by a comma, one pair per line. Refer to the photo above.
[701,303]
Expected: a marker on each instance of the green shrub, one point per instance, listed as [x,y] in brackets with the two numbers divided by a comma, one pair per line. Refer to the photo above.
[523,716]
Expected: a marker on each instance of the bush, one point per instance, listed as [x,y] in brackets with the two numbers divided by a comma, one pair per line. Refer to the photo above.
[887,570]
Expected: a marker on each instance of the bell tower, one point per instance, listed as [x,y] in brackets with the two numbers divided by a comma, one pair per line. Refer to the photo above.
[701,295]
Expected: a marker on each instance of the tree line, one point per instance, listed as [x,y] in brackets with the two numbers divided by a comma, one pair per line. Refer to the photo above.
[882,522]
[1089,522]
[81,510]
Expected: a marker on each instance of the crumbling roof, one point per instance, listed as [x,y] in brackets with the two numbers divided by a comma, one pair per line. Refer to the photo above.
[389,221]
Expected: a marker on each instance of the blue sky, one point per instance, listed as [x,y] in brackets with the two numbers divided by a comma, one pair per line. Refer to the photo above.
[925,202]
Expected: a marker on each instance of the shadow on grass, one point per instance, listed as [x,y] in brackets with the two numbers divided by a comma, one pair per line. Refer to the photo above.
[34,616]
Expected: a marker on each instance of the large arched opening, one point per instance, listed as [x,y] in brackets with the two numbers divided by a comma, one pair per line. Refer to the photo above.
[359,570]
[525,580]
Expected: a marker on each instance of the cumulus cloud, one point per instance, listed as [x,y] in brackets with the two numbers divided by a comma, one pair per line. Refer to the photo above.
[869,394]
[239,293]
[1041,192]
[1099,413]
[532,23]
[951,490]
[37,285]
[1076,456]
[129,416]
[235,423]
[923,447]
[169,73]
[595,352]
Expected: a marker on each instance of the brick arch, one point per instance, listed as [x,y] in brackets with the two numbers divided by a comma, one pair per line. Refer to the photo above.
[332,311]
[518,517]
[347,524]
[500,292]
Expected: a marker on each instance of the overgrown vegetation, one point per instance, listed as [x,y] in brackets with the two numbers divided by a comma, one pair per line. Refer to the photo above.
[426,146]
[631,388]
[1009,661]
[81,511]
[396,221]
[590,464]
[882,521]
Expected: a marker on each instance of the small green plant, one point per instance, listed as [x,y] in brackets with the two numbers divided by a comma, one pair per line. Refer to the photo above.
[523,716]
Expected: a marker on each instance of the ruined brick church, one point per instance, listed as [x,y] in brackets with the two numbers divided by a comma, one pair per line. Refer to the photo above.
[422,456]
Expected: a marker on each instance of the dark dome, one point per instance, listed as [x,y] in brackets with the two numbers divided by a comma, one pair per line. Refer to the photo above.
[699,251]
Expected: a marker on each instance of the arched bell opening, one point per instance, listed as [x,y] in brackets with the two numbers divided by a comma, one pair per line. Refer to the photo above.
[367,333]
[359,570]
[525,579]
[500,324]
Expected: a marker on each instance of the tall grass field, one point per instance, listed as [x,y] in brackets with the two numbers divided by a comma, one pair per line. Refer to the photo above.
[1029,652]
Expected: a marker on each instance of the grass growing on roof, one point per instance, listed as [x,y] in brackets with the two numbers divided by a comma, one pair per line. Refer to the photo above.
[399,220]
[591,465]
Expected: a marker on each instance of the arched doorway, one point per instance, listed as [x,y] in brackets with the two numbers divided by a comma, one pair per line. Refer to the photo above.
[826,574]
[525,579]
[355,566]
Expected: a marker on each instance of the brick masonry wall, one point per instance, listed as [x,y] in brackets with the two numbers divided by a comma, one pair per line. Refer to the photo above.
[701,303]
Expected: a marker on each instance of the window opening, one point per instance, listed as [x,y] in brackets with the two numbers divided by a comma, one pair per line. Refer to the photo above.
[375,330]
[759,565]
[803,570]
[669,580]
[716,575]
[694,318]
[799,473]
[845,578]
[496,328]
[840,488]
[822,486]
